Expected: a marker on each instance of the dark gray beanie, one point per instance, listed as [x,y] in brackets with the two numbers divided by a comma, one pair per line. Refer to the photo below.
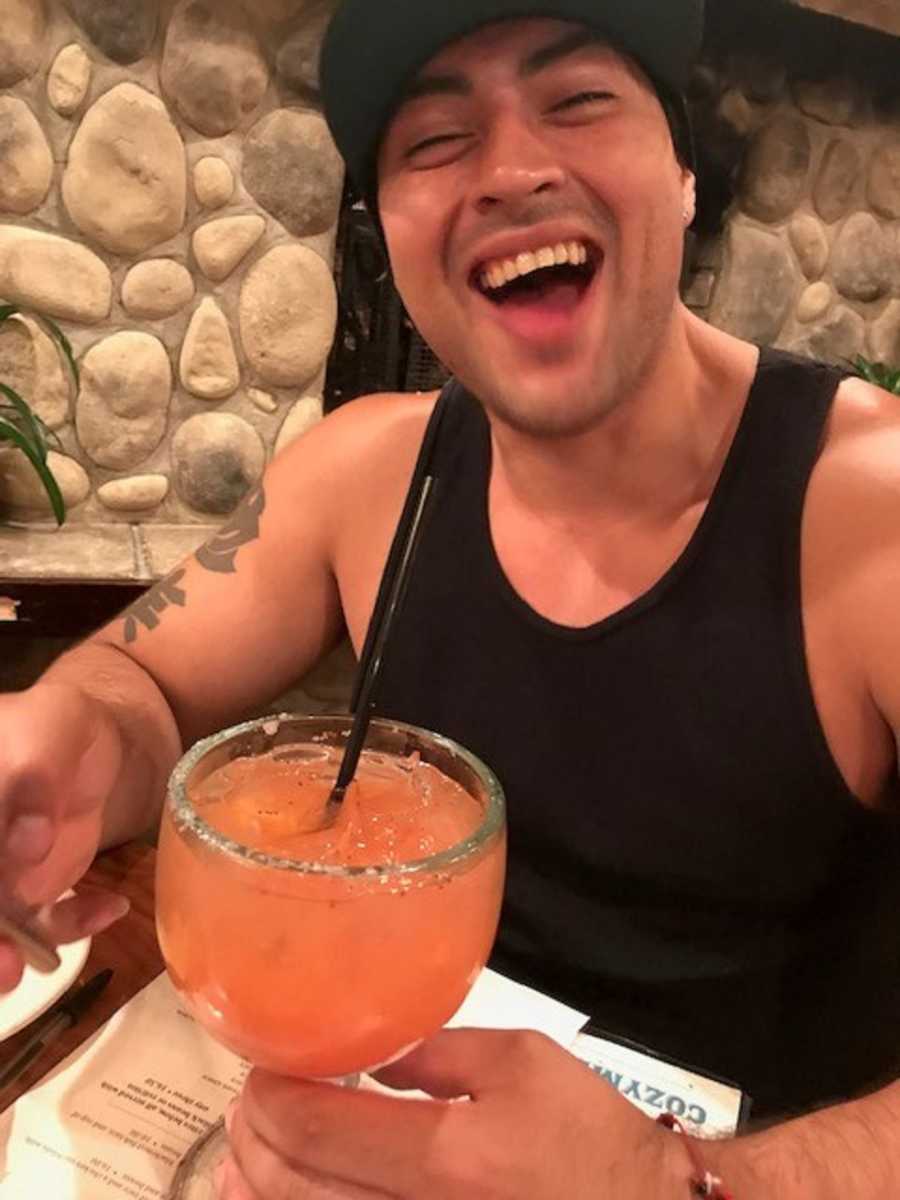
[375,48]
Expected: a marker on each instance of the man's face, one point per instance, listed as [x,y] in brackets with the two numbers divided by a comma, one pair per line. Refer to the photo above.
[534,212]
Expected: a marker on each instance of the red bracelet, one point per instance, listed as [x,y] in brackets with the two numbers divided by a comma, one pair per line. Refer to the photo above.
[703,1182]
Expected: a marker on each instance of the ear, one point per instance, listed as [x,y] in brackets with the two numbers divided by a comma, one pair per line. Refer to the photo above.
[689,197]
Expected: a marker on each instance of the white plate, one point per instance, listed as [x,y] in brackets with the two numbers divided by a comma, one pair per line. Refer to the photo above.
[37,992]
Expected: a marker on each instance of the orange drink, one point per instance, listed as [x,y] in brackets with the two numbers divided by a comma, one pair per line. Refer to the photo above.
[319,943]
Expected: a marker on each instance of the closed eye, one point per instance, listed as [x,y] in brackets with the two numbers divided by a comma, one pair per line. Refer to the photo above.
[429,143]
[581,98]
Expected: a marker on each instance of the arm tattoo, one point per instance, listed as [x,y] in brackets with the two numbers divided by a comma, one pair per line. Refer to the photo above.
[220,552]
[149,608]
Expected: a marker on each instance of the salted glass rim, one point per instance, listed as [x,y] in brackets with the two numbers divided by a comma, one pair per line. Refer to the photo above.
[187,819]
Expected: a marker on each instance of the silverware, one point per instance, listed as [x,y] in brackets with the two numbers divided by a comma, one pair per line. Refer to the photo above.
[46,1029]
[20,924]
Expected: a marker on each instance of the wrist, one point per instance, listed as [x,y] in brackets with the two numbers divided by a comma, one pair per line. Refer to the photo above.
[677,1171]
[750,1166]
[663,1170]
[701,1169]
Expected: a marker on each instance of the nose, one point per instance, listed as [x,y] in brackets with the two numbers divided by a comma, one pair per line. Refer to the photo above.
[515,164]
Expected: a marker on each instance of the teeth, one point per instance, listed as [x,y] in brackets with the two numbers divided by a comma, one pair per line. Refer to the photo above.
[499,272]
[577,253]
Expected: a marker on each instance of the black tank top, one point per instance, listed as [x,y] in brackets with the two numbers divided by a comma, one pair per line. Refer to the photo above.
[686,862]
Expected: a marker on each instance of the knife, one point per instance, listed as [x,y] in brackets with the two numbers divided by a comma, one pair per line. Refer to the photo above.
[19,923]
[53,1024]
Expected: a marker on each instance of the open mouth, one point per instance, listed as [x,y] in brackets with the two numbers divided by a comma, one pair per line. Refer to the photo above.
[557,276]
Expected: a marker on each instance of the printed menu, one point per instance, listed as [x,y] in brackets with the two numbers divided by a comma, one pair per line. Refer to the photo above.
[113,1120]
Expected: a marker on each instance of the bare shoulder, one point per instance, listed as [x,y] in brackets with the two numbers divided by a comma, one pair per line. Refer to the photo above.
[359,455]
[860,407]
[851,541]
[366,428]
[853,502]
[860,460]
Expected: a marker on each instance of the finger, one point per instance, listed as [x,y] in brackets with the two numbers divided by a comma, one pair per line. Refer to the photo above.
[230,1184]
[272,1176]
[84,915]
[357,1137]
[39,785]
[29,837]
[11,967]
[31,801]
[464,1062]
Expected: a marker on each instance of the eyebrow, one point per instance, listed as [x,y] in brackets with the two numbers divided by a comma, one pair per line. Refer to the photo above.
[538,60]
[568,44]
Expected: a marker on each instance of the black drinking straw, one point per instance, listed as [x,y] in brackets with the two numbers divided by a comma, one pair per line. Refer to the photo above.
[367,685]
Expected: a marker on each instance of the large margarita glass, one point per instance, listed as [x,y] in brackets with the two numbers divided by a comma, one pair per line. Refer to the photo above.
[320,969]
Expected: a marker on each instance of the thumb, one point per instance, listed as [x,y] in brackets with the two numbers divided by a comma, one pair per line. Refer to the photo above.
[455,1063]
[84,915]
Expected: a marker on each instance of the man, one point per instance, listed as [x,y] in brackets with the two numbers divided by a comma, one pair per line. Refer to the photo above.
[655,592]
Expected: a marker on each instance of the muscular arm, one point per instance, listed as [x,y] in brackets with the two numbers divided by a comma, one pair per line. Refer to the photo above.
[202,647]
[852,583]
[245,616]
[256,607]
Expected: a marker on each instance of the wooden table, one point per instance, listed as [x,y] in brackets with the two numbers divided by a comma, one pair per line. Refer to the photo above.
[129,948]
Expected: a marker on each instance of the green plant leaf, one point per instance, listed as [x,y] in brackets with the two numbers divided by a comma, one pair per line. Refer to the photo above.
[858,366]
[11,310]
[868,370]
[27,422]
[64,344]
[51,438]
[881,374]
[23,428]
[49,435]
[9,433]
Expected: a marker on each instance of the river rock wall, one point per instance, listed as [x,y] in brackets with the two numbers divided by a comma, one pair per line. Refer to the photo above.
[809,259]
[169,194]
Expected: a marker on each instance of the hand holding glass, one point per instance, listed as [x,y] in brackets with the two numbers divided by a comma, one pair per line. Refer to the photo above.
[341,960]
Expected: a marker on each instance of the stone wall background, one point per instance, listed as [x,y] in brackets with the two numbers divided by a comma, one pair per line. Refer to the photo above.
[809,258]
[169,193]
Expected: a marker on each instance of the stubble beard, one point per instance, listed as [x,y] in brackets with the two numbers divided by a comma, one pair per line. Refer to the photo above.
[576,412]
[616,377]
